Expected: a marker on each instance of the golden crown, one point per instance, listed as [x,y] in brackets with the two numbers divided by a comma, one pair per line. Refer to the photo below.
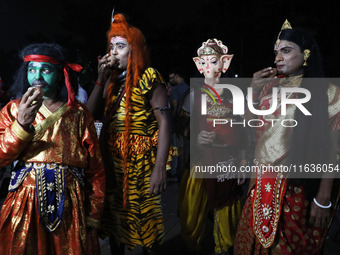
[286,25]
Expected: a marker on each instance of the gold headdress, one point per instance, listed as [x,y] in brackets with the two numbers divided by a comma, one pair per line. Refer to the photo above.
[306,52]
[212,46]
[286,25]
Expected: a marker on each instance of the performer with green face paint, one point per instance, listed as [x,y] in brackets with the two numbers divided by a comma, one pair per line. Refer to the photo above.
[57,188]
[44,75]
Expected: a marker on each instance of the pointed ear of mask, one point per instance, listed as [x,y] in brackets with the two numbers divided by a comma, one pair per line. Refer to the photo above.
[226,59]
[198,63]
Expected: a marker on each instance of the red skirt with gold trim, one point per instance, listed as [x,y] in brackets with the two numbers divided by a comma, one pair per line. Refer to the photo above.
[22,232]
[294,235]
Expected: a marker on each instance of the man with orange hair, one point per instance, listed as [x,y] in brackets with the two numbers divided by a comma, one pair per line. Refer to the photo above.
[135,139]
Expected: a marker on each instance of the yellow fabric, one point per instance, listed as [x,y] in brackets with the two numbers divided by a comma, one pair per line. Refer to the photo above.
[193,216]
[143,121]
[50,118]
[20,132]
[141,222]
[225,226]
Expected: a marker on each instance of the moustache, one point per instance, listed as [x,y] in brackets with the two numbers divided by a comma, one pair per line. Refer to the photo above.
[40,83]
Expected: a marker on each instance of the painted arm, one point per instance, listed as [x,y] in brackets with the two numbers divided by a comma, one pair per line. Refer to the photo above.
[96,101]
[158,177]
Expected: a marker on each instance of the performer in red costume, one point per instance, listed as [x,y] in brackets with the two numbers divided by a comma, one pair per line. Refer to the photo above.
[288,215]
[56,193]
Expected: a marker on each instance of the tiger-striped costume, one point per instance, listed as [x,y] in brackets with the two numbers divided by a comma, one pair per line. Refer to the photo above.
[141,222]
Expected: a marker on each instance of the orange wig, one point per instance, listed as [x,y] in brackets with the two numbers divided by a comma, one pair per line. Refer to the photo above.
[137,63]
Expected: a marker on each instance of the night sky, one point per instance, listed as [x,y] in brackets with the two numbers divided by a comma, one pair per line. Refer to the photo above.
[173,30]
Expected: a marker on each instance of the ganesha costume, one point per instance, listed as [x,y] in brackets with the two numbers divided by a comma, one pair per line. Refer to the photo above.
[57,186]
[220,194]
[275,216]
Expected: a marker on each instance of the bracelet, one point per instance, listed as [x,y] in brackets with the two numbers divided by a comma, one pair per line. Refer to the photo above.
[98,84]
[322,206]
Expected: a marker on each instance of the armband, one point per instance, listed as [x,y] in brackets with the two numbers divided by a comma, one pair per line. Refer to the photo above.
[161,109]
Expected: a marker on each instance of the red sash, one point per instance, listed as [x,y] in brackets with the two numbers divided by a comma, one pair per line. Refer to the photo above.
[267,199]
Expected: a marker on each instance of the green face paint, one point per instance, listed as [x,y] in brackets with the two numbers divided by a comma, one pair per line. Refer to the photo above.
[44,75]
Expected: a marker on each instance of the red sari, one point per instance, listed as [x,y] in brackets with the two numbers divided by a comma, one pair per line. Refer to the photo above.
[275,216]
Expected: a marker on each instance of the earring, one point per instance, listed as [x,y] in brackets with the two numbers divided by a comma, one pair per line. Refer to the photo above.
[306,54]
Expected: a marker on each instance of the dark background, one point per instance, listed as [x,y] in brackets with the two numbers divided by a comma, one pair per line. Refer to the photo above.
[174,30]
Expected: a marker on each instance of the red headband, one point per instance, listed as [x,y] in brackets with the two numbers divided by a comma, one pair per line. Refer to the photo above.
[67,66]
